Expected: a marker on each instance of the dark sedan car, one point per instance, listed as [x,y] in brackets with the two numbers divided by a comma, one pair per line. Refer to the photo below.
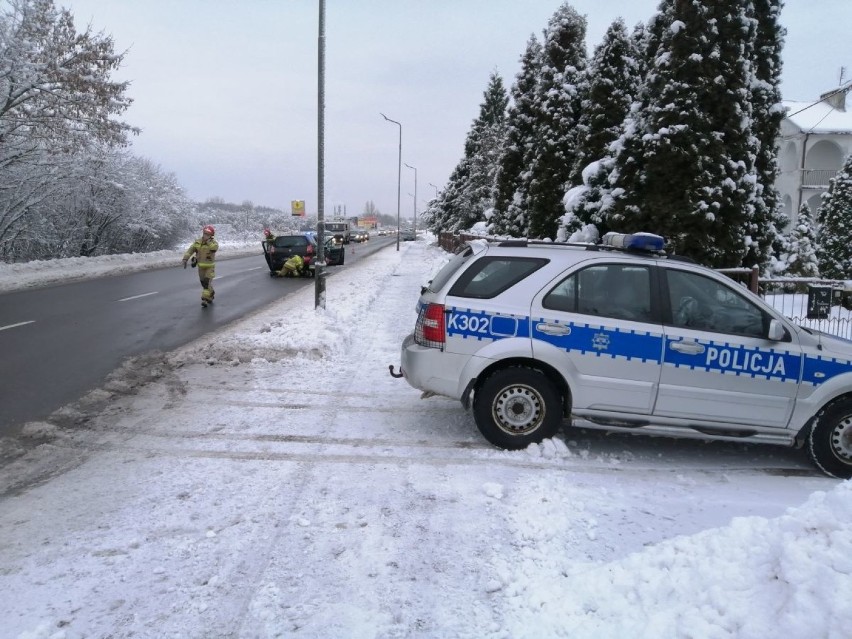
[283,247]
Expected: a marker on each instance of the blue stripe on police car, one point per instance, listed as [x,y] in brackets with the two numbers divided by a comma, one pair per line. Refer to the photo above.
[817,370]
[603,341]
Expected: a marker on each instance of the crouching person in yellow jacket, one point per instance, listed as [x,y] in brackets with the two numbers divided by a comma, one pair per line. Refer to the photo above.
[203,253]
[292,267]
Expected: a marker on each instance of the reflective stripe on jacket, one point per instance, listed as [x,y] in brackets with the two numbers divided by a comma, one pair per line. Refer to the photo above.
[206,252]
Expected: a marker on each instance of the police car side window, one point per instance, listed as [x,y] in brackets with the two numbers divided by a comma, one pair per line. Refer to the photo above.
[621,291]
[487,277]
[704,304]
[575,294]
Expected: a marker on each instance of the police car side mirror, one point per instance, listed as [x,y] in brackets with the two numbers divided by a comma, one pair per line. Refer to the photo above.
[777,332]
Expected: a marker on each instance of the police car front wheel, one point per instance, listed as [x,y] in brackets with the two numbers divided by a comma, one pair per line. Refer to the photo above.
[516,407]
[830,440]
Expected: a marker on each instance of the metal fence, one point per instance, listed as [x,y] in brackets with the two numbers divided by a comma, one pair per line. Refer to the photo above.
[790,297]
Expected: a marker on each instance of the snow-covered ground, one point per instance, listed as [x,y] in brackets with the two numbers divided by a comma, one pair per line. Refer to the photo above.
[272,480]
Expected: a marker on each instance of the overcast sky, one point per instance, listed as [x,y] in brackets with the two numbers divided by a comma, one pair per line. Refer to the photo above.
[225,91]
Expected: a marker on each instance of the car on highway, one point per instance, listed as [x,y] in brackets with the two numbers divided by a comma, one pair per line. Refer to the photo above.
[624,336]
[335,252]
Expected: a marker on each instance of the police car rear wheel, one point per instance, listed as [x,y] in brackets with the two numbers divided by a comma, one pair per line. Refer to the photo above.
[830,440]
[516,407]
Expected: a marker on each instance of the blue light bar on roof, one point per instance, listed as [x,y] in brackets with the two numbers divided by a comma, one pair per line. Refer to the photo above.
[634,241]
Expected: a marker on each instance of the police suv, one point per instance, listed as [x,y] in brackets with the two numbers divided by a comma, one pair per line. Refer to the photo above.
[622,336]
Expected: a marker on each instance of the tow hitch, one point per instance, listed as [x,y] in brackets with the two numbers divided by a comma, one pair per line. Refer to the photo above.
[397,375]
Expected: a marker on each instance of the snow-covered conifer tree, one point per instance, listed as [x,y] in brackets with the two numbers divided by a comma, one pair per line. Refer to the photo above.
[443,213]
[557,113]
[835,232]
[769,220]
[482,151]
[610,85]
[801,246]
[470,190]
[685,166]
[510,215]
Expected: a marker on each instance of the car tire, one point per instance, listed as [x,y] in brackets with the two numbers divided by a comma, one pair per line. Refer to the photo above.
[830,439]
[518,406]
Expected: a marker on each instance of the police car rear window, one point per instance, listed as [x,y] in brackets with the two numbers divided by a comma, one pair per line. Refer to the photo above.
[449,269]
[487,277]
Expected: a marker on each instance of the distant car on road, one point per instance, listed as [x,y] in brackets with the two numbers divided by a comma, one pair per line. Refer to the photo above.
[408,235]
[339,228]
[335,252]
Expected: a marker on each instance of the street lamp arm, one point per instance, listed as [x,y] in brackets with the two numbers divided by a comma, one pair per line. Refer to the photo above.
[389,120]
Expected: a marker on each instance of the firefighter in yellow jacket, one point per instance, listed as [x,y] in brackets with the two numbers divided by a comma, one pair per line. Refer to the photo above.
[293,267]
[203,254]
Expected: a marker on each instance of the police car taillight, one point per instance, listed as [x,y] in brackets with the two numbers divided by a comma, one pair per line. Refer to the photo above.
[429,330]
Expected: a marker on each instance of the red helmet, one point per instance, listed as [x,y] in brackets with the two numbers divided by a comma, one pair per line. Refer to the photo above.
[267,232]
[209,230]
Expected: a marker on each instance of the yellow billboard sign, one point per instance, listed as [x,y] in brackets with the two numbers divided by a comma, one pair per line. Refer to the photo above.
[298,207]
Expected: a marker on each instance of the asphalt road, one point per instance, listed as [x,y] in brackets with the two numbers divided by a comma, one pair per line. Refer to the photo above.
[59,342]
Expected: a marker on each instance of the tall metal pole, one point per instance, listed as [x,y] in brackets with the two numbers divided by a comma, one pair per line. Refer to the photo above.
[319,265]
[398,176]
[415,197]
[436,189]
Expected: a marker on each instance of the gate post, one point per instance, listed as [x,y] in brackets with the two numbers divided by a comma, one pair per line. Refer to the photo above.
[754,280]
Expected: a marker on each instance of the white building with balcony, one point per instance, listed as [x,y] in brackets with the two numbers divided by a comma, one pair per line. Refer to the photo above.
[814,142]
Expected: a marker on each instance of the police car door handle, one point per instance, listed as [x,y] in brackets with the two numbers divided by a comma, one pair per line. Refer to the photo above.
[689,348]
[553,329]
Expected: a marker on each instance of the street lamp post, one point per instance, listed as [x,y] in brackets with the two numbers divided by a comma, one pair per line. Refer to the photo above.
[319,265]
[436,189]
[398,176]
[415,197]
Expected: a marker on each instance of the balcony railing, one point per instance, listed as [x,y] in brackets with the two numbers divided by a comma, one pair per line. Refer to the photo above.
[817,178]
